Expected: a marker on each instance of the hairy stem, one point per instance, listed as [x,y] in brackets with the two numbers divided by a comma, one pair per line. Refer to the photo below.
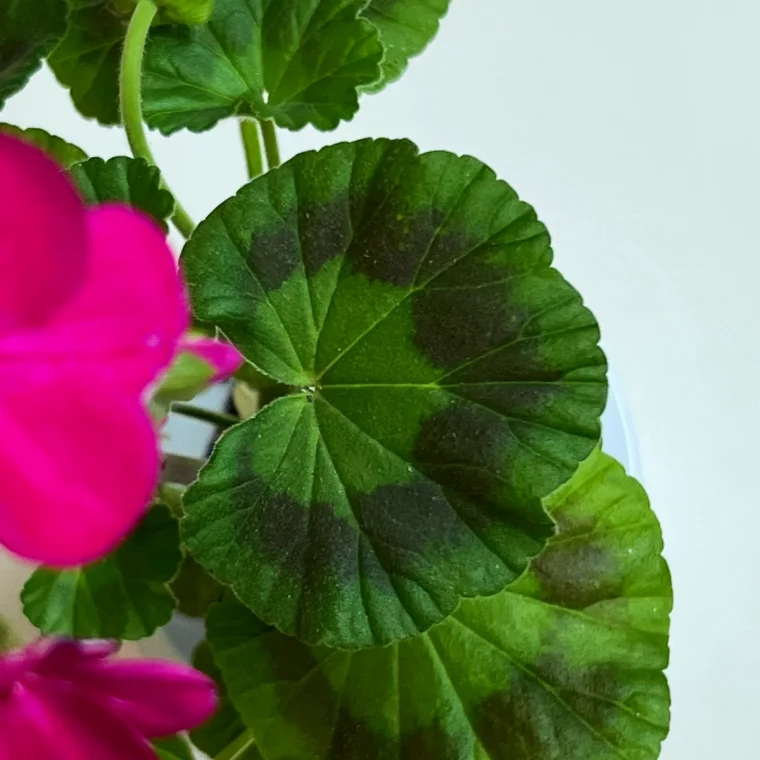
[249,131]
[130,91]
[270,144]
[205,415]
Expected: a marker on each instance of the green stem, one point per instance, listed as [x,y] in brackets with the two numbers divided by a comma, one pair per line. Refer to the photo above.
[130,91]
[205,415]
[249,131]
[235,749]
[270,144]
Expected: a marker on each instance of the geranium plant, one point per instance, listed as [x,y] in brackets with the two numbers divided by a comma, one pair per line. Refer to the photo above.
[407,542]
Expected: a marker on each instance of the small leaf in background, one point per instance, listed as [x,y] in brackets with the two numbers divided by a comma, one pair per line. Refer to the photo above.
[8,639]
[64,153]
[297,62]
[124,596]
[188,376]
[446,379]
[28,31]
[406,28]
[194,589]
[124,180]
[567,665]
[88,58]
[225,729]
[173,748]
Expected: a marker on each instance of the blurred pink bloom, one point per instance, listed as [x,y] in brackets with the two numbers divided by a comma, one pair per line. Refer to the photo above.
[67,700]
[91,312]
[224,359]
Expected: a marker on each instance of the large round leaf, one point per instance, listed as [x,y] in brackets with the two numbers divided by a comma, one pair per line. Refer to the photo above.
[449,378]
[298,62]
[566,665]
[406,28]
[28,31]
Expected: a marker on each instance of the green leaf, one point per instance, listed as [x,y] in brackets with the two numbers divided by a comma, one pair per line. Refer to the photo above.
[124,596]
[186,11]
[173,748]
[225,729]
[28,31]
[297,62]
[59,150]
[406,28]
[8,639]
[88,58]
[448,379]
[124,180]
[567,665]
[194,589]
[188,376]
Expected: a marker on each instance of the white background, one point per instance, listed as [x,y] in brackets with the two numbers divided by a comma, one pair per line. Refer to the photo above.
[634,128]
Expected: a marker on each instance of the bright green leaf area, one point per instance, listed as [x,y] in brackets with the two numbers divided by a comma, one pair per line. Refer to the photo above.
[124,180]
[447,379]
[225,730]
[173,748]
[406,28]
[297,62]
[124,596]
[28,31]
[64,153]
[87,59]
[566,665]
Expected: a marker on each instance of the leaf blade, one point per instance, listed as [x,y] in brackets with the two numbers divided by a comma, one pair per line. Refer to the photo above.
[449,379]
[297,62]
[123,596]
[27,34]
[88,58]
[540,671]
[64,153]
[132,181]
[406,28]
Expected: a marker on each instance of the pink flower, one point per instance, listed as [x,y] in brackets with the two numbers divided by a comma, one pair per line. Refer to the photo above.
[67,700]
[91,312]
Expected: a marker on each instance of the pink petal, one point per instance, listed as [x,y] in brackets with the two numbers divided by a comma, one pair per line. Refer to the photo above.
[123,327]
[224,358]
[78,465]
[43,239]
[48,720]
[61,657]
[155,698]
